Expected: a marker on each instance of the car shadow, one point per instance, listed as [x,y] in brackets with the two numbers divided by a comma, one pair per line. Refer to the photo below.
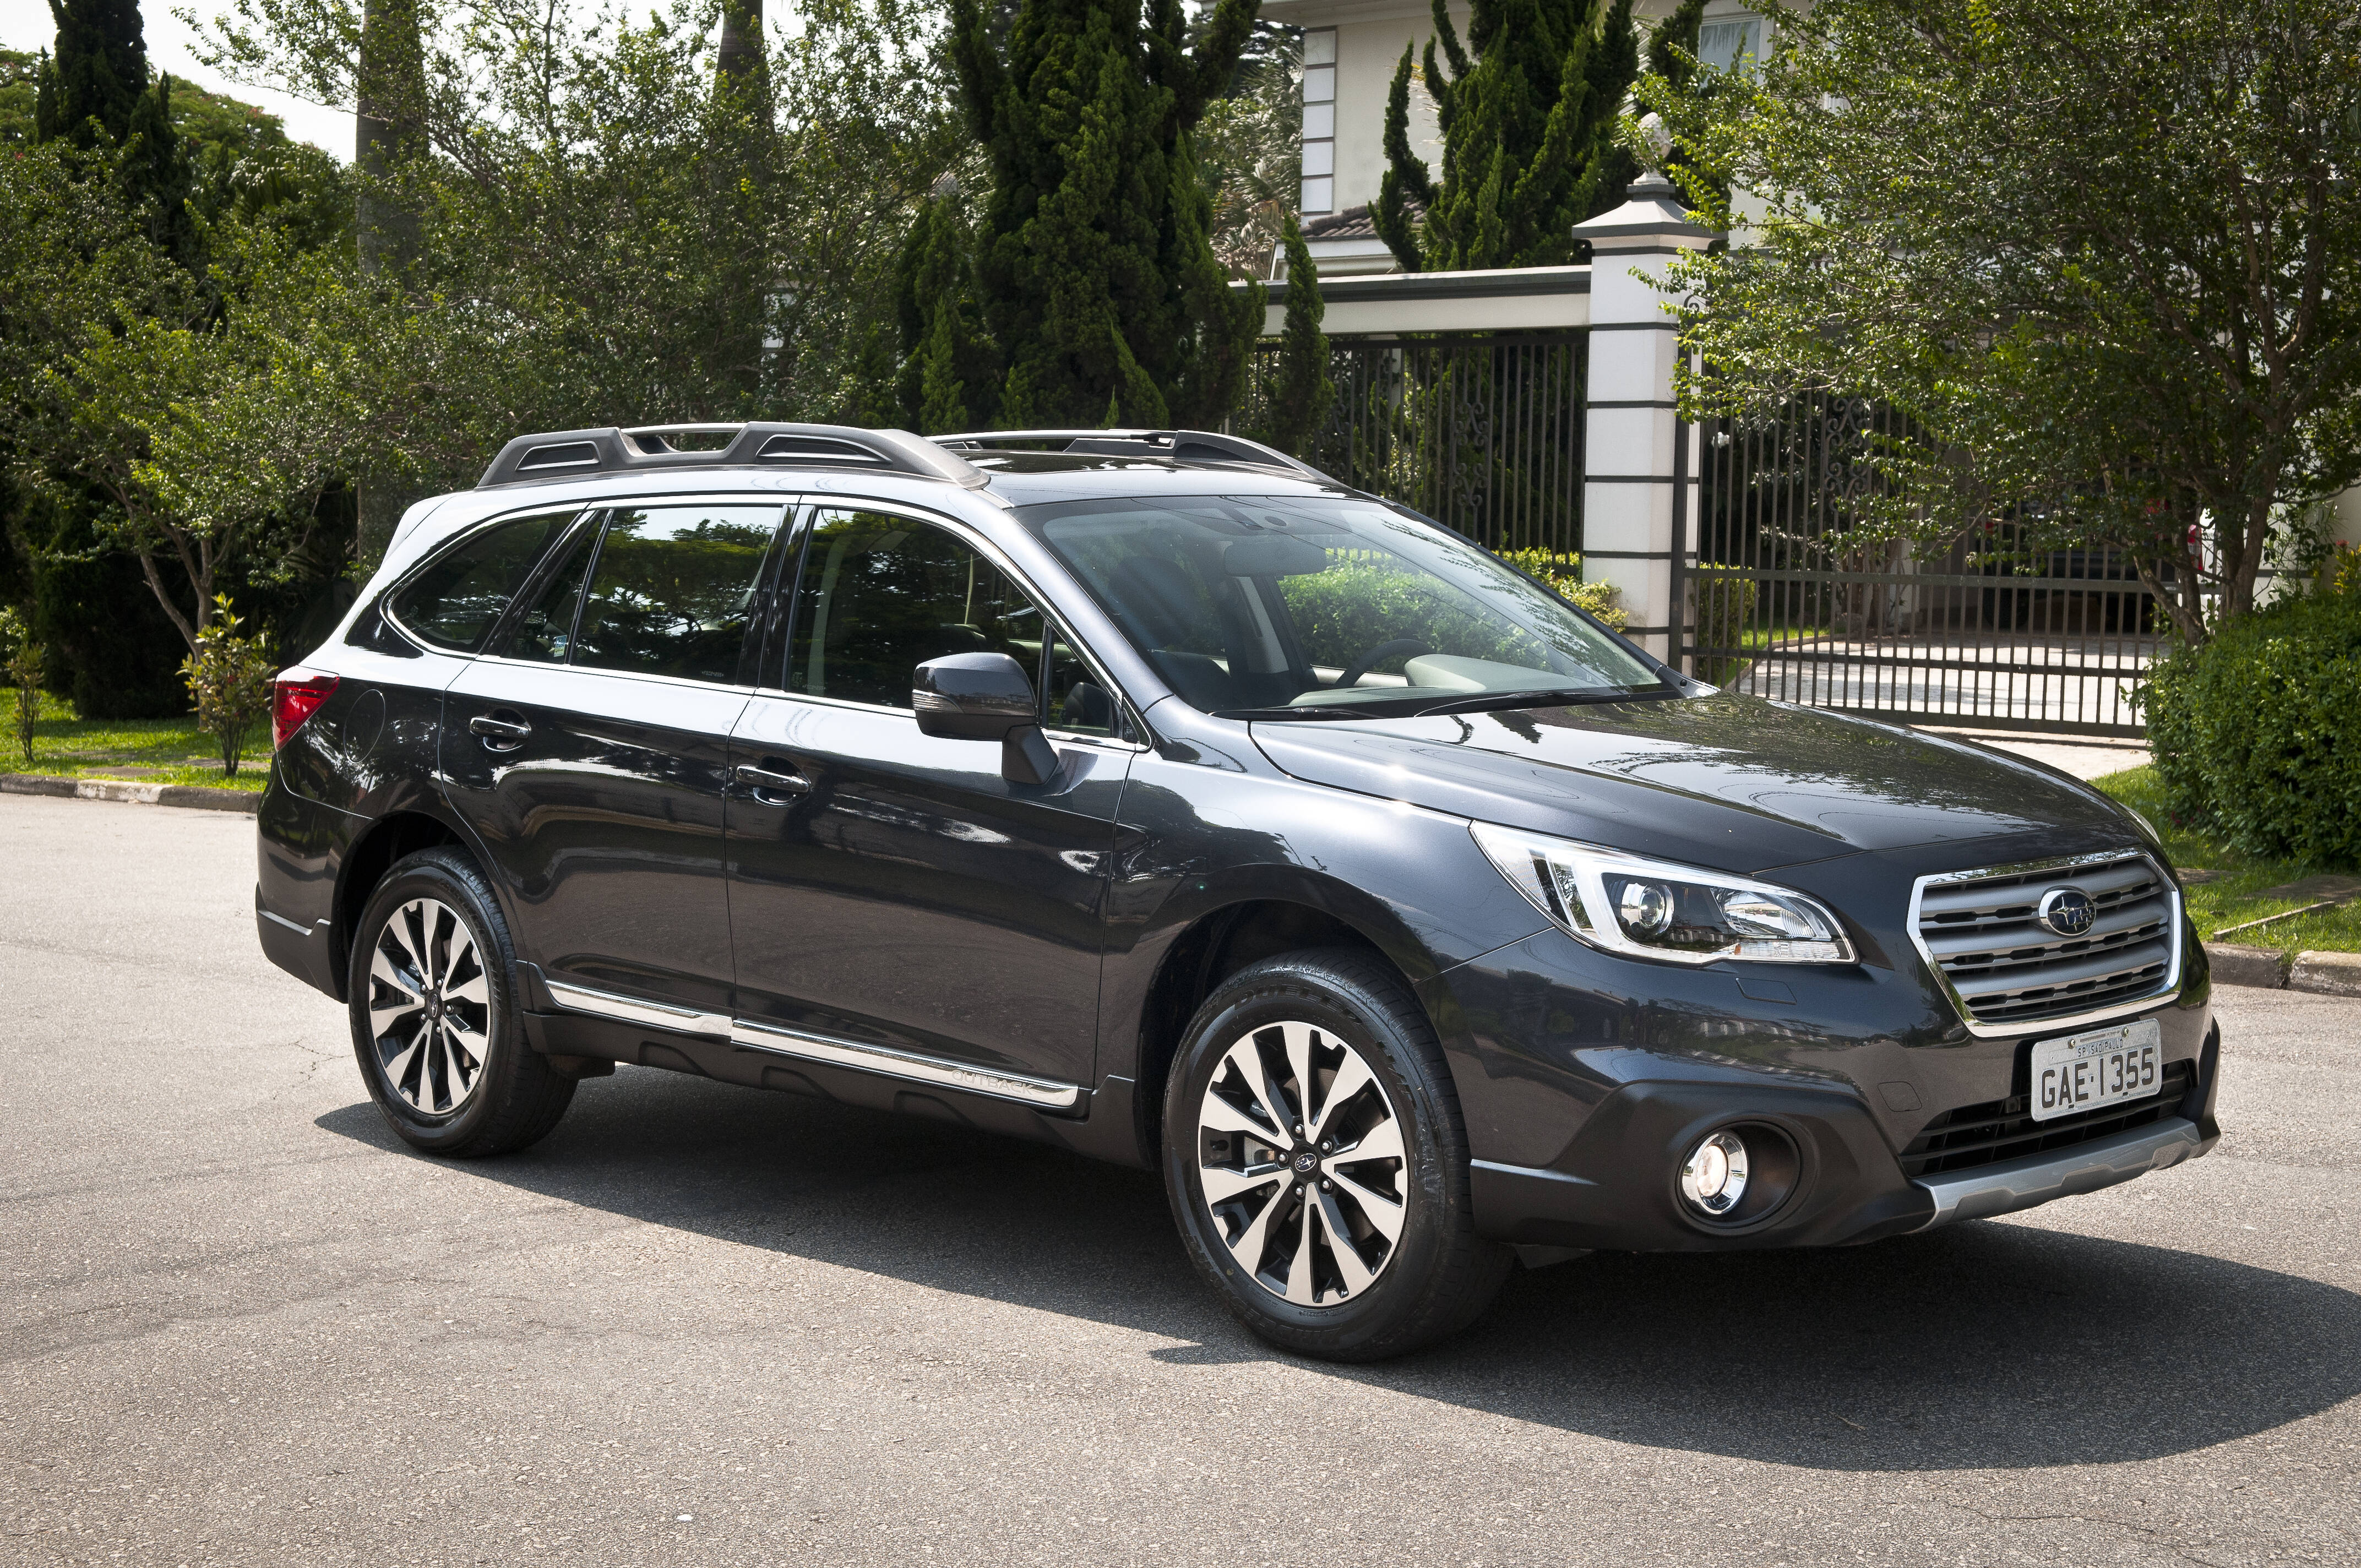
[1986,1345]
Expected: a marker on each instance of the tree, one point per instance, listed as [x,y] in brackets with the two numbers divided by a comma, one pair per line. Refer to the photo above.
[1529,132]
[1250,152]
[95,78]
[2105,260]
[1299,396]
[1100,291]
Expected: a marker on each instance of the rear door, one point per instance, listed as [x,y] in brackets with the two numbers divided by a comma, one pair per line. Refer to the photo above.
[590,751]
[890,889]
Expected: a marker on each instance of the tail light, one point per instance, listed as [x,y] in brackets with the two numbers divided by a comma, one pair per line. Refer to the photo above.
[296,696]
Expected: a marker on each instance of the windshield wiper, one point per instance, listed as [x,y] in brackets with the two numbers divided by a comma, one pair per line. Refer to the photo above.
[1547,696]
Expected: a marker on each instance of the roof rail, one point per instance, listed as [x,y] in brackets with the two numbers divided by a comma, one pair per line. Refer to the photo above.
[1179,446]
[572,454]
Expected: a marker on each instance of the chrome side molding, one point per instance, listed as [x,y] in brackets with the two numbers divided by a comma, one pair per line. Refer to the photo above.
[2016,1184]
[1048,1094]
[1042,1094]
[632,1010]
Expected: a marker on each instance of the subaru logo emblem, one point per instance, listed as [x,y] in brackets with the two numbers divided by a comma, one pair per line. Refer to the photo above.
[2068,911]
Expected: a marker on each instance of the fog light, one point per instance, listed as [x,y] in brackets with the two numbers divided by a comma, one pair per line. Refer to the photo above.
[1713,1177]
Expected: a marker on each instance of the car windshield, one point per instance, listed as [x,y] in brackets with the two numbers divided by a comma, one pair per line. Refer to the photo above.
[1329,606]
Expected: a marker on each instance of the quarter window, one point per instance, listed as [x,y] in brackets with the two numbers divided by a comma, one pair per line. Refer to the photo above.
[673,589]
[544,631]
[455,601]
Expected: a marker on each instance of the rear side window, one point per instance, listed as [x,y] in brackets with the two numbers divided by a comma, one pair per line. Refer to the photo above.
[454,600]
[673,588]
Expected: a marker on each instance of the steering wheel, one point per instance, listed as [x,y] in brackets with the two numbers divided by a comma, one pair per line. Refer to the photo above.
[1366,662]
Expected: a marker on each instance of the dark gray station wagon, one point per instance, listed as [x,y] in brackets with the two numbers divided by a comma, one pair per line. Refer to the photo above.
[1151,795]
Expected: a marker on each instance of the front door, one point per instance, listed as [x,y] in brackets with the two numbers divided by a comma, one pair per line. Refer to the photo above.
[590,752]
[893,890]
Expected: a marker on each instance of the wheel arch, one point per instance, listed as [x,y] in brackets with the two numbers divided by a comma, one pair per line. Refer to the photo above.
[388,839]
[1204,946]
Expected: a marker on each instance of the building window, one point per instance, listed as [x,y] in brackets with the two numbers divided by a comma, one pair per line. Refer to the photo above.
[1320,120]
[1731,43]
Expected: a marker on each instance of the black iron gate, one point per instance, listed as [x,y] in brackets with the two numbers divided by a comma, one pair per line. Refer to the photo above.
[1783,602]
[1480,430]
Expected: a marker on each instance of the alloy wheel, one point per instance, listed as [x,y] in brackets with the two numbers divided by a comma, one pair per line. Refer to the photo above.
[430,1006]
[1302,1162]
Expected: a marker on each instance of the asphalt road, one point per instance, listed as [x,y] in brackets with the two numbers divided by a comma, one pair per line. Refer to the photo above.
[707,1325]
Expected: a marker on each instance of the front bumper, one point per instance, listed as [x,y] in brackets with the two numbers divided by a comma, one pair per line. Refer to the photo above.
[1582,1098]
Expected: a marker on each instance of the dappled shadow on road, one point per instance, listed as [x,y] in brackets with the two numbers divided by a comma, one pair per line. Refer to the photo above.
[1987,1345]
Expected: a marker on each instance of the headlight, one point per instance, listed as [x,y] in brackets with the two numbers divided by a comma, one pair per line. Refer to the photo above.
[1654,909]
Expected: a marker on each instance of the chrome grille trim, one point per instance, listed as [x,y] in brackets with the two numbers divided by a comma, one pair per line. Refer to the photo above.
[2007,974]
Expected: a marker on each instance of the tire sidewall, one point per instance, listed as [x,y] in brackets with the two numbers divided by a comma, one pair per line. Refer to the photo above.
[437,875]
[1306,992]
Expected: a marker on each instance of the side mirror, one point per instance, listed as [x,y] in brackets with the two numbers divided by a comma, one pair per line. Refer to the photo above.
[985,696]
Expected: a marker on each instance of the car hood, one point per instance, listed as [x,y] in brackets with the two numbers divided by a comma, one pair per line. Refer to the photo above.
[1736,783]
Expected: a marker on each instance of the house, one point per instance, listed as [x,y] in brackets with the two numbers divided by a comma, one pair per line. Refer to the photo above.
[1350,49]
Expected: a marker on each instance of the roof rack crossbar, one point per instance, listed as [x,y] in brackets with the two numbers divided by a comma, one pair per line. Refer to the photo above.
[573,454]
[1179,446]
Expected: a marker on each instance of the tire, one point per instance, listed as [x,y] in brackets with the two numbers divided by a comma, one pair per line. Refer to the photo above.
[1294,1235]
[435,1019]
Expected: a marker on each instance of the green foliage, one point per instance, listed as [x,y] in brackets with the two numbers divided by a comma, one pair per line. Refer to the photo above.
[1725,614]
[229,677]
[1563,572]
[949,378]
[2258,733]
[1299,398]
[1529,134]
[1100,289]
[20,661]
[1250,154]
[96,76]
[2090,253]
[1353,606]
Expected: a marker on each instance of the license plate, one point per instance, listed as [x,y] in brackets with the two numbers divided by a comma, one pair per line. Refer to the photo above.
[2084,1072]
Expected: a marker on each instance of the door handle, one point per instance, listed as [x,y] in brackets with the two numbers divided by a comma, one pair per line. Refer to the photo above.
[501,734]
[763,780]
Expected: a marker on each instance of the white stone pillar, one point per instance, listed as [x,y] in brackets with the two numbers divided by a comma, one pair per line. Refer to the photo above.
[1631,467]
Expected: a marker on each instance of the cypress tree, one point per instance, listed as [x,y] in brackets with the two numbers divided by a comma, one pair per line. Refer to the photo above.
[1303,390]
[1099,296]
[1528,134]
[156,177]
[1677,31]
[950,373]
[91,86]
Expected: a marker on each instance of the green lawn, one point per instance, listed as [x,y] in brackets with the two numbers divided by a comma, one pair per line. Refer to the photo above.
[149,750]
[2228,899]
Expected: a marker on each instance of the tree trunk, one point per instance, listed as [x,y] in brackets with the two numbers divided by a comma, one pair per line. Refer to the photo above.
[740,58]
[387,130]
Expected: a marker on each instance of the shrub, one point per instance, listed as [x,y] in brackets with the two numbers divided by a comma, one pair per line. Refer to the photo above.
[22,663]
[1563,572]
[2259,732]
[229,676]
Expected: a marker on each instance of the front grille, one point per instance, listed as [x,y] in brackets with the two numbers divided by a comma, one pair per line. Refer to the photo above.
[1982,930]
[2004,1129]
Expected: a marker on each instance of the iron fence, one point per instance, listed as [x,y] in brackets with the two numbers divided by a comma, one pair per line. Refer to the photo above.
[1482,431]
[1786,601]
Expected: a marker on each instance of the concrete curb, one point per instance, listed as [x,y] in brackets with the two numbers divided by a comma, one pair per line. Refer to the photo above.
[202,797]
[2326,974]
[2333,974]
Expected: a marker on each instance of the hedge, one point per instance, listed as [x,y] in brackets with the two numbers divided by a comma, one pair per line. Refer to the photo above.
[2257,734]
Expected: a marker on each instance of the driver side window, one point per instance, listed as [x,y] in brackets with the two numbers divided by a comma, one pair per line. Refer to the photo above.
[882,594]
